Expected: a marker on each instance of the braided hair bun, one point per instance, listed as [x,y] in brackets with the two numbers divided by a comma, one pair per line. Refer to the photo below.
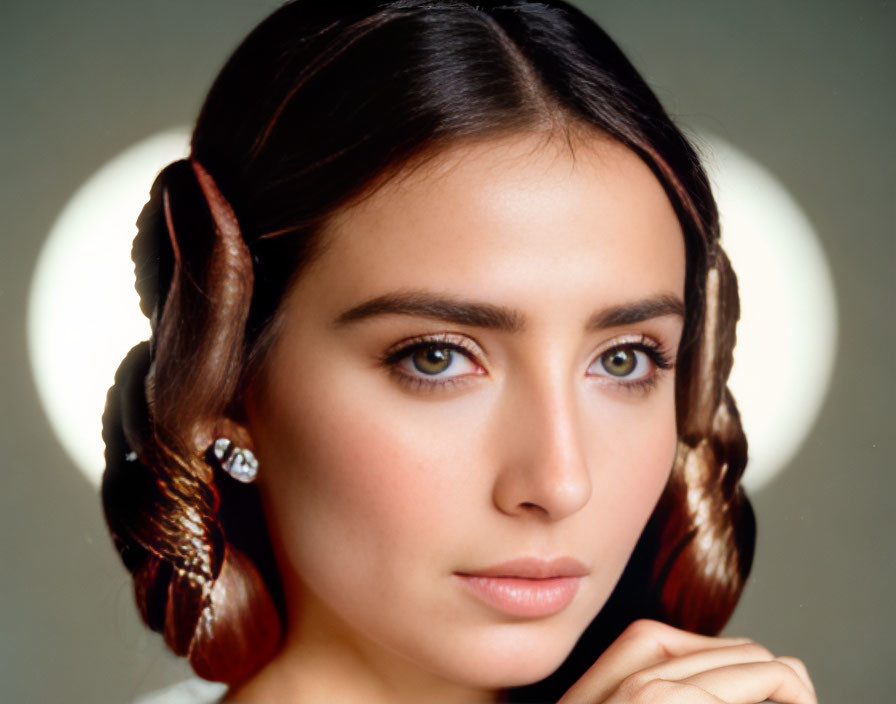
[161,497]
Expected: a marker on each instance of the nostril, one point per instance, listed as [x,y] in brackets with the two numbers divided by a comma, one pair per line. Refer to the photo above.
[532,507]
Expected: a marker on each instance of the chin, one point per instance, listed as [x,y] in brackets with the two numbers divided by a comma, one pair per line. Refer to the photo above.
[511,672]
[518,655]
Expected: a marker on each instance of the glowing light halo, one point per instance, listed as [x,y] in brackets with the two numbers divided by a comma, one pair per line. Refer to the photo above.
[83,312]
[786,337]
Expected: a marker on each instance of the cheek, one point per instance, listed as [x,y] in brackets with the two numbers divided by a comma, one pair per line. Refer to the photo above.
[635,453]
[349,484]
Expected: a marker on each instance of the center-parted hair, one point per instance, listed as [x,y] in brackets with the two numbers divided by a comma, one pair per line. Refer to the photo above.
[322,103]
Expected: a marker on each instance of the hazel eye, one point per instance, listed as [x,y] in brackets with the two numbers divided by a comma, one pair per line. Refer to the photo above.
[432,360]
[436,361]
[624,363]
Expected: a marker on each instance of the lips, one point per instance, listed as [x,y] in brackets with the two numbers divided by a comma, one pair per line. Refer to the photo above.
[526,587]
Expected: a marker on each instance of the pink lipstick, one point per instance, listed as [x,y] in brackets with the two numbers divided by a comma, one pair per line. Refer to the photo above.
[528,587]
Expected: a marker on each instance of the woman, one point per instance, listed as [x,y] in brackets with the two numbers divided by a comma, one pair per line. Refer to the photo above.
[447,278]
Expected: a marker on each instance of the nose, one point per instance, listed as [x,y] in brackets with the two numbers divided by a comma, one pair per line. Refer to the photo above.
[543,470]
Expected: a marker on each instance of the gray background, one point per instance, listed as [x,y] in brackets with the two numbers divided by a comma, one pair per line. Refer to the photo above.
[805,87]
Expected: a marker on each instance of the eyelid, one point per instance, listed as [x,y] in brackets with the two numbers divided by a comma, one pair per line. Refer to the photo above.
[459,343]
[658,356]
[454,340]
[636,340]
[626,339]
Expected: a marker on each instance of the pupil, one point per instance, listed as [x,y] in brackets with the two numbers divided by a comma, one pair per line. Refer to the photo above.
[620,362]
[432,360]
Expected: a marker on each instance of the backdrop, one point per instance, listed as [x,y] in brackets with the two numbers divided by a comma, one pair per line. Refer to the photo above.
[806,88]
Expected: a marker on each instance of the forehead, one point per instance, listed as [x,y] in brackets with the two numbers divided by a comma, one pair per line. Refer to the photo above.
[527,217]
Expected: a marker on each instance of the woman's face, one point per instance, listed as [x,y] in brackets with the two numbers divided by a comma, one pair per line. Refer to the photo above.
[468,413]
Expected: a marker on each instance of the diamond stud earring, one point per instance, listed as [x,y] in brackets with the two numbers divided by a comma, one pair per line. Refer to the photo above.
[238,462]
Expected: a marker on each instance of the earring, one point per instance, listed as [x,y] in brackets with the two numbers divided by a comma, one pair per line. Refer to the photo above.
[238,462]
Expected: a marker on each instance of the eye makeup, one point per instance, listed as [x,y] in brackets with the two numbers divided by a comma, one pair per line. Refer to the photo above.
[445,360]
[431,362]
[631,363]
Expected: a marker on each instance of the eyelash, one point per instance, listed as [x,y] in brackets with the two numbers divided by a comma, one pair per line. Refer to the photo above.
[655,353]
[406,348]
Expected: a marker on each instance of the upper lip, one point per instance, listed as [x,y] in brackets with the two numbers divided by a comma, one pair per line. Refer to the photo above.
[532,568]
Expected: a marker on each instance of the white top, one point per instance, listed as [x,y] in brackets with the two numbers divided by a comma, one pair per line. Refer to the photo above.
[197,691]
[192,691]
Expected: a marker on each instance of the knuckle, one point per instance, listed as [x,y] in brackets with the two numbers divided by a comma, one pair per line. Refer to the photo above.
[795,664]
[634,685]
[653,690]
[646,634]
[644,627]
[799,670]
[785,672]
[757,652]
[657,691]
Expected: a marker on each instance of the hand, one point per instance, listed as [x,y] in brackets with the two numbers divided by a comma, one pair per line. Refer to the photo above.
[652,663]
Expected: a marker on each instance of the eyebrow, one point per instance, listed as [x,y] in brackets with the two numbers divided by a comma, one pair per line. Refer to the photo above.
[486,315]
[636,312]
[426,305]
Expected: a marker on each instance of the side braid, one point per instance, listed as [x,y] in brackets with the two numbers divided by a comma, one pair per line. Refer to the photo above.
[705,522]
[194,276]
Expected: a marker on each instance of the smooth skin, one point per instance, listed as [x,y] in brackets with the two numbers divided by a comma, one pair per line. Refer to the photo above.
[479,367]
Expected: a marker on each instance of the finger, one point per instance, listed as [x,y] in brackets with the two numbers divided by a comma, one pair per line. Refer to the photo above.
[753,682]
[686,666]
[643,644]
[646,643]
[662,692]
[800,669]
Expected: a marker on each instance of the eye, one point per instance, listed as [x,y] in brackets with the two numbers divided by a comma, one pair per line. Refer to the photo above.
[630,362]
[624,363]
[438,361]
[433,361]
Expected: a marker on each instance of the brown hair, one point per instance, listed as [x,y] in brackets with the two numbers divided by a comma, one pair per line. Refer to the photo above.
[316,106]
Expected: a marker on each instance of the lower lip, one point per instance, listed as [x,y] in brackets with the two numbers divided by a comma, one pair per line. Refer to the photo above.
[518,596]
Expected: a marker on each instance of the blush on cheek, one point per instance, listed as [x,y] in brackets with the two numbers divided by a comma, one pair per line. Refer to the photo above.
[360,468]
[645,464]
